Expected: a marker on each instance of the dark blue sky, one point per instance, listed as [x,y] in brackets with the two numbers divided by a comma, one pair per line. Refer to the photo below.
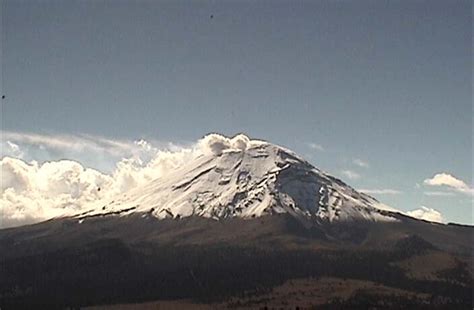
[389,82]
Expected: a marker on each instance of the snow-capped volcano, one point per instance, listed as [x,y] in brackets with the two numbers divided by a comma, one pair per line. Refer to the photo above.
[246,178]
[180,235]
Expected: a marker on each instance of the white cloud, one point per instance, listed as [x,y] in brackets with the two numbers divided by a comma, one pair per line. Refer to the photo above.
[384,191]
[315,146]
[352,175]
[438,194]
[93,151]
[77,143]
[449,181]
[217,143]
[426,214]
[69,142]
[12,149]
[32,191]
[360,163]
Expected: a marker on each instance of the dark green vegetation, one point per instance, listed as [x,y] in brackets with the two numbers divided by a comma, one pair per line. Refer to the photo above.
[111,259]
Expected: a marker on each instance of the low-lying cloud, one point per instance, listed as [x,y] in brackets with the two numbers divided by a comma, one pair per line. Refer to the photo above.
[32,191]
[427,214]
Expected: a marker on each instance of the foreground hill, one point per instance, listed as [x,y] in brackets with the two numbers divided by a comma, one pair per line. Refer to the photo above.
[112,259]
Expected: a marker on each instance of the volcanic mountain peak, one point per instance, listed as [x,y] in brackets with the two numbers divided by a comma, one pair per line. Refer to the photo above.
[310,228]
[240,177]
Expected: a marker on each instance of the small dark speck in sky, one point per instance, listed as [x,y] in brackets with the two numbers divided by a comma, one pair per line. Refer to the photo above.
[3,97]
[212,16]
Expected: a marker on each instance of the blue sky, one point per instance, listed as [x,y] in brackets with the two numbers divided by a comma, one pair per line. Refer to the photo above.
[387,84]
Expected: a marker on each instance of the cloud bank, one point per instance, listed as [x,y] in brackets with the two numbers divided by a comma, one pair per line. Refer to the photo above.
[426,214]
[32,192]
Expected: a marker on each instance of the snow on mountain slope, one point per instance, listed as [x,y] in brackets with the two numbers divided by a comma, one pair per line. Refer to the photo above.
[246,178]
